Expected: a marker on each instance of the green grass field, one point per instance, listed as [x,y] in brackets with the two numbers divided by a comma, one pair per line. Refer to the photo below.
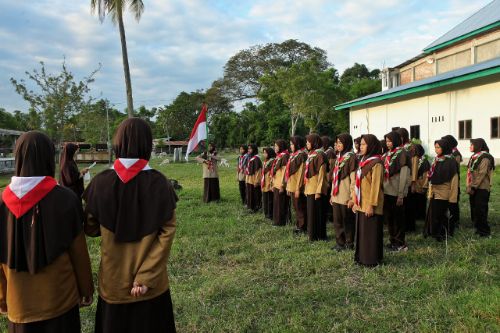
[231,271]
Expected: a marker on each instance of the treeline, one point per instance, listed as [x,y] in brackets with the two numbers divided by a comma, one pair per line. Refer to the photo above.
[265,92]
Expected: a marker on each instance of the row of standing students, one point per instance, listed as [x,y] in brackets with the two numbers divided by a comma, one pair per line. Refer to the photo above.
[45,271]
[386,181]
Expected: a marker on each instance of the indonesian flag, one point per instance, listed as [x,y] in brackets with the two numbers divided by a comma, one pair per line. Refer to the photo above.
[199,132]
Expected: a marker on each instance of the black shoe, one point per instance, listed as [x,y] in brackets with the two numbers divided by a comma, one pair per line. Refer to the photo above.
[338,248]
[390,246]
[349,246]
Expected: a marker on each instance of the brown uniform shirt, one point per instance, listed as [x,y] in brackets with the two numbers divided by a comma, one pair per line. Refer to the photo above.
[122,264]
[296,181]
[482,176]
[318,183]
[346,189]
[279,178]
[52,291]
[372,193]
[255,178]
[446,191]
[214,171]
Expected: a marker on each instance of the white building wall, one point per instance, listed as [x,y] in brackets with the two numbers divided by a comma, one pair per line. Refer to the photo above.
[437,116]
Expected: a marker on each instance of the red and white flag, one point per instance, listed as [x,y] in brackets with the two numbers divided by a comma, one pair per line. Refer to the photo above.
[199,132]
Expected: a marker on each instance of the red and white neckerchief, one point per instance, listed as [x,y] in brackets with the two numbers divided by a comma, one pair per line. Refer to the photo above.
[437,159]
[128,168]
[340,161]
[266,164]
[247,169]
[23,193]
[359,175]
[240,163]
[406,146]
[292,157]
[310,157]
[389,159]
[472,165]
[277,159]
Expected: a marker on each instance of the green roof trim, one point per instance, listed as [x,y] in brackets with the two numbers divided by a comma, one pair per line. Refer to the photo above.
[460,38]
[424,87]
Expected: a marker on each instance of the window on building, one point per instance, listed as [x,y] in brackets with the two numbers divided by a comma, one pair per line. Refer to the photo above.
[465,129]
[495,128]
[415,132]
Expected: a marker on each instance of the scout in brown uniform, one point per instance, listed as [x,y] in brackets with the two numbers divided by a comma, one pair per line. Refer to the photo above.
[265,182]
[396,173]
[45,270]
[454,207]
[294,177]
[343,179]
[253,173]
[443,189]
[368,197]
[240,172]
[331,154]
[357,143]
[281,202]
[409,200]
[132,208]
[479,180]
[315,180]
[422,184]
[211,189]
[70,176]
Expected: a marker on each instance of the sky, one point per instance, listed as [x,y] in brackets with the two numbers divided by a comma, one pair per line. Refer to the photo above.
[183,45]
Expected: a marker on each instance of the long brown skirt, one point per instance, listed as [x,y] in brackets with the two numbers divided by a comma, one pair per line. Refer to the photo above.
[254,197]
[68,322]
[369,240]
[267,204]
[300,207]
[154,315]
[211,190]
[281,207]
[316,221]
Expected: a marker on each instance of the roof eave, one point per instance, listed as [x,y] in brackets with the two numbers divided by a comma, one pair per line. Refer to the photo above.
[428,86]
[463,37]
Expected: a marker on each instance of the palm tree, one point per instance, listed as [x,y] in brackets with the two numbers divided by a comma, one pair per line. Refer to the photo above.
[115,8]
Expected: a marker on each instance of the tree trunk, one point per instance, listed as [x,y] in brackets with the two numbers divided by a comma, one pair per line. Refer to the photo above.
[126,70]
[294,124]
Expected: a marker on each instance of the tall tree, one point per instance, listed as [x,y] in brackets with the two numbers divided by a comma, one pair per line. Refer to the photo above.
[358,81]
[115,8]
[243,71]
[309,91]
[56,99]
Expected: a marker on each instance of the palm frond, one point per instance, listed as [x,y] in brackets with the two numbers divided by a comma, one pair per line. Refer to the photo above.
[136,7]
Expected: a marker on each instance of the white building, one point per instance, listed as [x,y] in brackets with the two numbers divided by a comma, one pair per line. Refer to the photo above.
[453,87]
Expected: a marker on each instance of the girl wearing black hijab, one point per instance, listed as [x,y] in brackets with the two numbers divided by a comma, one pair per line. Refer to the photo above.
[454,207]
[253,173]
[422,184]
[266,183]
[443,190]
[343,176]
[211,188]
[70,176]
[316,186]
[242,164]
[45,273]
[368,198]
[294,178]
[479,177]
[281,202]
[396,175]
[132,208]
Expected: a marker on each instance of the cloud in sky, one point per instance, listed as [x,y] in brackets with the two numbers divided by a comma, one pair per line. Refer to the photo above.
[183,45]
